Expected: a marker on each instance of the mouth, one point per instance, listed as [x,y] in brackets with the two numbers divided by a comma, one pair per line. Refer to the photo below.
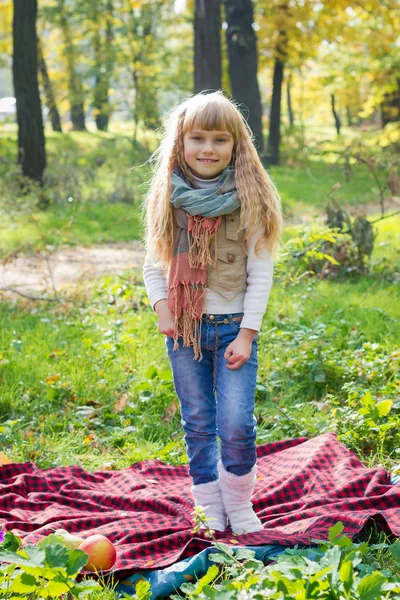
[208,160]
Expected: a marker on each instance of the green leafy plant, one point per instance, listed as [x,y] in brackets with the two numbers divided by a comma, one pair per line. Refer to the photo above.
[335,569]
[48,570]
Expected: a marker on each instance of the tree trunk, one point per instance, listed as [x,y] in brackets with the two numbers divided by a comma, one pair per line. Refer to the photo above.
[48,91]
[74,83]
[243,63]
[349,116]
[390,106]
[275,114]
[335,115]
[135,115]
[281,52]
[31,141]
[104,67]
[289,100]
[207,45]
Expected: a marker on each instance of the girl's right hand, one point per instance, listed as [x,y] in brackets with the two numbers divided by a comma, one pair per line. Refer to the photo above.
[165,320]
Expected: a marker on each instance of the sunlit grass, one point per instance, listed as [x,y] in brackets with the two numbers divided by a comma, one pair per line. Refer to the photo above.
[91,379]
[97,181]
[71,224]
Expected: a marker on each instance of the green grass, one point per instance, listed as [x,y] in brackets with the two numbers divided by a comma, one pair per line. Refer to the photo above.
[94,186]
[304,189]
[105,350]
[96,182]
[72,224]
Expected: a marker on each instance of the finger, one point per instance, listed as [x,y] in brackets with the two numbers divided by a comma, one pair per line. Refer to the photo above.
[238,362]
[234,359]
[236,365]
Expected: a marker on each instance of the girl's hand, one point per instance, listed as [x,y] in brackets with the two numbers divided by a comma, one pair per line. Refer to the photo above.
[238,352]
[165,320]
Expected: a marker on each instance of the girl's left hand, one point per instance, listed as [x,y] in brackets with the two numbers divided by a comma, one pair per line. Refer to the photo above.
[238,352]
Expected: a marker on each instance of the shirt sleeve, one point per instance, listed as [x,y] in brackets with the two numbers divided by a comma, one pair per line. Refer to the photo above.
[259,282]
[155,280]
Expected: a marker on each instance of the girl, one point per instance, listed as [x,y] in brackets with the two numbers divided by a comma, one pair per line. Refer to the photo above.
[213,221]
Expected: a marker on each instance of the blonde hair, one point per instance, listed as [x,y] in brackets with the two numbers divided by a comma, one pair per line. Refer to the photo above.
[260,202]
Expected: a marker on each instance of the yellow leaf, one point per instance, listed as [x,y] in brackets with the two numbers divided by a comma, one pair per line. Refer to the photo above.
[4,460]
[384,407]
[88,439]
[51,379]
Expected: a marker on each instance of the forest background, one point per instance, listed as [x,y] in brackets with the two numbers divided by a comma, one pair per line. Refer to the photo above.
[84,378]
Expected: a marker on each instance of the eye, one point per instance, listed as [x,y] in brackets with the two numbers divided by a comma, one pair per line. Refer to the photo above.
[197,138]
[221,140]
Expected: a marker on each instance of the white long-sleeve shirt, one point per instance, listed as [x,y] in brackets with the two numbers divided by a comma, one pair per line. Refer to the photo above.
[252,301]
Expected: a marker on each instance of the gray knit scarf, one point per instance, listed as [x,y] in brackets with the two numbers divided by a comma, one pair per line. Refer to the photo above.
[211,202]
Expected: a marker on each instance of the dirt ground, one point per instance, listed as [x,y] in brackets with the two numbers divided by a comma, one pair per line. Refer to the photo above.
[42,273]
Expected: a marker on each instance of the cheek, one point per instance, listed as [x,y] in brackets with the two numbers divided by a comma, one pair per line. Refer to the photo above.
[187,151]
[229,153]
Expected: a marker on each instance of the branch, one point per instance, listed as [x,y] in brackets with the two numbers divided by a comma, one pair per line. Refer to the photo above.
[386,217]
[29,297]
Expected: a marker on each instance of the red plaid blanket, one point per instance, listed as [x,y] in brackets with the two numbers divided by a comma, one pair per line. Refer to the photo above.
[303,488]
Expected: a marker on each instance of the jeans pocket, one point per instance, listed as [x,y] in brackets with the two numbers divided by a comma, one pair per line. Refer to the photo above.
[236,324]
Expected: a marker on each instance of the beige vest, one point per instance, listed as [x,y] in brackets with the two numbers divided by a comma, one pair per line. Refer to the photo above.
[228,276]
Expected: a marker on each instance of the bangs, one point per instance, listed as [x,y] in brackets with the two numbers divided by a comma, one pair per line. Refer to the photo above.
[211,114]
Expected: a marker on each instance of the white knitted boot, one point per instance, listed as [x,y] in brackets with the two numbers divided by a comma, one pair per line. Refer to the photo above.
[236,493]
[208,495]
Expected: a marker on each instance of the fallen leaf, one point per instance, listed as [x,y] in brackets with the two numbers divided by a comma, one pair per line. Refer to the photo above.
[51,379]
[4,459]
[120,405]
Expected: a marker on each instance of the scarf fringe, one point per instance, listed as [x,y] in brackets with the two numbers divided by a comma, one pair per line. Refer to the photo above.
[188,324]
[200,233]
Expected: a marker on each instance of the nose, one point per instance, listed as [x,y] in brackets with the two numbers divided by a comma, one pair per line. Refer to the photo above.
[208,147]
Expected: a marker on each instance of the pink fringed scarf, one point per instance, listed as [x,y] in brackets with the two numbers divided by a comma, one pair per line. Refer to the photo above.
[188,279]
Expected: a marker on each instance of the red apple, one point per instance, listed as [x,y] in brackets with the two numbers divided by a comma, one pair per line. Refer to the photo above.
[101,552]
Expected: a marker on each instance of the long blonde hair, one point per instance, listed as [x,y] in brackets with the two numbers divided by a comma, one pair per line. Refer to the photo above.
[260,202]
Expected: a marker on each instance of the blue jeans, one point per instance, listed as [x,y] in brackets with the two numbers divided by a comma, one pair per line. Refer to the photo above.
[216,401]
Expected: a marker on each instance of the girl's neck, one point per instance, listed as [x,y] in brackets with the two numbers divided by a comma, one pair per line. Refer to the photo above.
[201,183]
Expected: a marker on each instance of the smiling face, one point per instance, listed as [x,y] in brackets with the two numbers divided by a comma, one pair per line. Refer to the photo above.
[207,153]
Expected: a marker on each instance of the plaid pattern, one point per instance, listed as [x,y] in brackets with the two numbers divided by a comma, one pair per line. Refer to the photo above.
[303,488]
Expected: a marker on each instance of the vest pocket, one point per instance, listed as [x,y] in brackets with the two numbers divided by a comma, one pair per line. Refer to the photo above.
[231,268]
[232,227]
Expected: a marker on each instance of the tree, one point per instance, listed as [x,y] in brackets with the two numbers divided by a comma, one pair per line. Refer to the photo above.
[74,81]
[274,137]
[48,90]
[289,100]
[141,27]
[104,62]
[243,63]
[31,142]
[336,117]
[281,53]
[207,45]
